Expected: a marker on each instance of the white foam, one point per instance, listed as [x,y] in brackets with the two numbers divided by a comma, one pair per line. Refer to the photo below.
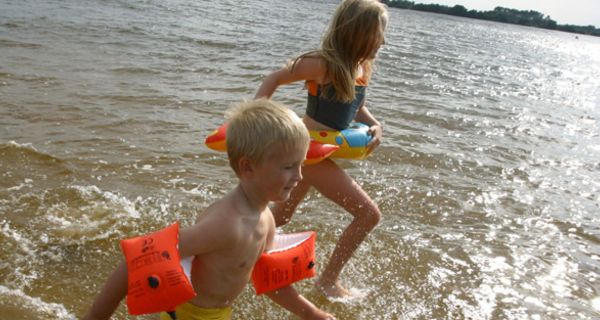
[25,244]
[26,183]
[126,204]
[47,310]
[356,295]
[22,145]
[595,302]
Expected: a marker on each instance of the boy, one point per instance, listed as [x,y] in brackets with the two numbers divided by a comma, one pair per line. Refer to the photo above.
[266,145]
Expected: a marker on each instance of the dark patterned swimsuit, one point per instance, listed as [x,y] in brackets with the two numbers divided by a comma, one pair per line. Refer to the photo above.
[330,112]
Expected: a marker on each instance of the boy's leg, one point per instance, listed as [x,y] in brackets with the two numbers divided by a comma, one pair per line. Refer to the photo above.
[335,184]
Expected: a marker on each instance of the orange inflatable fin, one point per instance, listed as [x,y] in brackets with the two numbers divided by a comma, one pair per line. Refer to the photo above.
[318,151]
[216,140]
[291,259]
[156,279]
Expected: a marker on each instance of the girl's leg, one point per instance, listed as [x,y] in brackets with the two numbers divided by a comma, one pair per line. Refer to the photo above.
[335,184]
[283,211]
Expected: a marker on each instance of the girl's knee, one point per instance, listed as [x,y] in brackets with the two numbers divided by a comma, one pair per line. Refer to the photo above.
[371,217]
[375,217]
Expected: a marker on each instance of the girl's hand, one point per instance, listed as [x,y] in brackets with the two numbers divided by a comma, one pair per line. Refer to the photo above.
[376,131]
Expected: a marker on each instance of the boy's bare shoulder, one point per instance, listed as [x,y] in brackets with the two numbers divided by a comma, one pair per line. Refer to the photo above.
[226,214]
[216,229]
[218,212]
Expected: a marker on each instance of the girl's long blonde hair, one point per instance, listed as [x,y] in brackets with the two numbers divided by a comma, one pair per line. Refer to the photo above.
[355,31]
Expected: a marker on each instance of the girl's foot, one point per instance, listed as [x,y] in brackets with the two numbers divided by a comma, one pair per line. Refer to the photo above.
[334,290]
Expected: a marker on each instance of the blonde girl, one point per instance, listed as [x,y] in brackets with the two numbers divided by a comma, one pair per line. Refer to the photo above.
[336,77]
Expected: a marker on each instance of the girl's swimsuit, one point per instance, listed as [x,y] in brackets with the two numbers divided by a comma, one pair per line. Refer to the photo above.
[334,114]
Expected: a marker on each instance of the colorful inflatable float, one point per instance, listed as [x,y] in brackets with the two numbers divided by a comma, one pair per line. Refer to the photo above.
[350,143]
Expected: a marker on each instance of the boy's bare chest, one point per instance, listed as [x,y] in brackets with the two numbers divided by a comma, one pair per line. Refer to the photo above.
[253,244]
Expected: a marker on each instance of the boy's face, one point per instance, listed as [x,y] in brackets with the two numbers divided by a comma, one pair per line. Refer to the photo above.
[280,172]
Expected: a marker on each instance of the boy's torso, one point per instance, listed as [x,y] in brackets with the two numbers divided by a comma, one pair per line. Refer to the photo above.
[220,276]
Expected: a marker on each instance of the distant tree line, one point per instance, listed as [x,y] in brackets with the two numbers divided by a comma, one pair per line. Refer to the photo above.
[523,17]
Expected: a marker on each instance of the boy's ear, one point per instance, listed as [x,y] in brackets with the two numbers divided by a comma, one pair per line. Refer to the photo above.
[245,165]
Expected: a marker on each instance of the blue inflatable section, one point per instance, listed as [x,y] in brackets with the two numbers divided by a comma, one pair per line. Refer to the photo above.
[356,135]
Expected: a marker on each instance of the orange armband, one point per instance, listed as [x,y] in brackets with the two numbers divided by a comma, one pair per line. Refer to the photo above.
[291,259]
[156,280]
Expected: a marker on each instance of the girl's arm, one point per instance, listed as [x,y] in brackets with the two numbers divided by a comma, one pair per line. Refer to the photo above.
[375,127]
[110,297]
[291,300]
[306,69]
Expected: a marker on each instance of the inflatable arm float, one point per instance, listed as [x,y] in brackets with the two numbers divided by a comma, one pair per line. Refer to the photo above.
[157,279]
[291,259]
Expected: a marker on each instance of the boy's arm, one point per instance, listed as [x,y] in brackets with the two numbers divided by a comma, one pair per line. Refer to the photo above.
[291,300]
[199,238]
[110,296]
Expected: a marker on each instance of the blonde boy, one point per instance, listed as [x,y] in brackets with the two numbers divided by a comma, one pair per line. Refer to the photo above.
[266,145]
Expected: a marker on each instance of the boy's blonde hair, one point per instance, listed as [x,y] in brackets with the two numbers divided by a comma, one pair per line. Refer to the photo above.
[253,127]
[356,28]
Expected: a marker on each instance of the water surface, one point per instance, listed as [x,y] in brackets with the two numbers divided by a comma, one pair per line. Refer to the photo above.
[488,177]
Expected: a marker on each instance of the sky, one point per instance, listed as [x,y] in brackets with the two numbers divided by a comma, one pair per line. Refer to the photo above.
[577,12]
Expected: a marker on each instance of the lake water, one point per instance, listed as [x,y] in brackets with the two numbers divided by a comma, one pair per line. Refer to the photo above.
[488,176]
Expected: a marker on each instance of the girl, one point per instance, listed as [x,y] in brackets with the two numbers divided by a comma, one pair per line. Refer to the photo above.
[336,77]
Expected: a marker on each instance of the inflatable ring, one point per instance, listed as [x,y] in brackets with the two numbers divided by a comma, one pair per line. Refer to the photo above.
[350,143]
[291,259]
[157,280]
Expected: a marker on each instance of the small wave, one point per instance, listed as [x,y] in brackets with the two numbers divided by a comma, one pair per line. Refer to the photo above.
[131,30]
[23,163]
[95,218]
[147,99]
[134,71]
[32,78]
[70,215]
[208,43]
[19,300]
[13,149]
[84,213]
[17,44]
[9,25]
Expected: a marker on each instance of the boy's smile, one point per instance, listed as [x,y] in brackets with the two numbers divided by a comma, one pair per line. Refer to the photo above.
[279,173]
